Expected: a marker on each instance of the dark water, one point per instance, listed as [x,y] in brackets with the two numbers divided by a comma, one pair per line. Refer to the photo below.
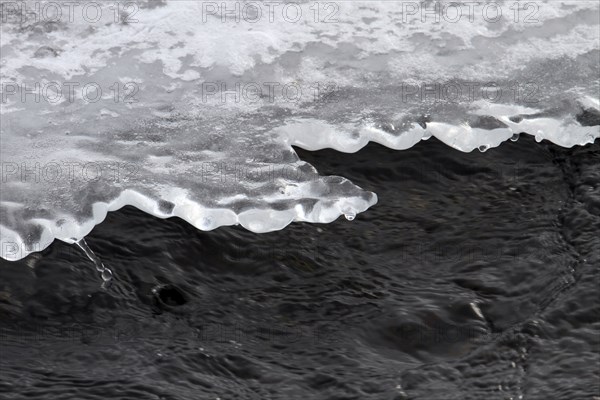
[474,277]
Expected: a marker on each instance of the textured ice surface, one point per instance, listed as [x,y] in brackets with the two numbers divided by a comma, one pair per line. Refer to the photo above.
[198,111]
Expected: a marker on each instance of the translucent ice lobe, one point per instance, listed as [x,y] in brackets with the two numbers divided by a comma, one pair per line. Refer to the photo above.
[183,111]
[264,187]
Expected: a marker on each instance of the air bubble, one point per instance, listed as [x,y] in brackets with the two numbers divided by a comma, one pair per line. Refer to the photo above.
[106,275]
[207,223]
[350,216]
[515,137]
[483,148]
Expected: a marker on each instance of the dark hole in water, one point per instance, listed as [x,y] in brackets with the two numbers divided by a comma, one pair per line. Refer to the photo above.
[169,295]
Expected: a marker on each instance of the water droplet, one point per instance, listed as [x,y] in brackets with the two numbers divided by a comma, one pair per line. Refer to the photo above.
[515,137]
[350,216]
[483,148]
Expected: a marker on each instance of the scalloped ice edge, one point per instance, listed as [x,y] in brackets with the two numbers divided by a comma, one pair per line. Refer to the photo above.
[313,134]
[201,217]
